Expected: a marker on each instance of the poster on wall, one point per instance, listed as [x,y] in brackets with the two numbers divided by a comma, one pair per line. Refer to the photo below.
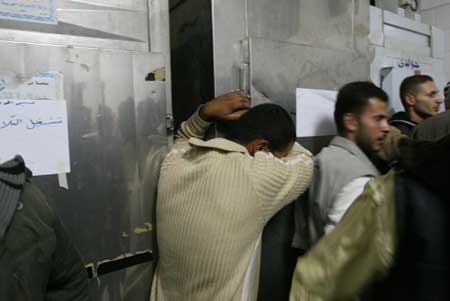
[34,122]
[315,110]
[38,11]
[38,131]
[41,85]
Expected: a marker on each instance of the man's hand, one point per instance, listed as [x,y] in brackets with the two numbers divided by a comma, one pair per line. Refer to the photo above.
[230,106]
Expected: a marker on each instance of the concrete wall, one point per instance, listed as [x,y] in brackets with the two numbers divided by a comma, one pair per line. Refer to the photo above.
[436,12]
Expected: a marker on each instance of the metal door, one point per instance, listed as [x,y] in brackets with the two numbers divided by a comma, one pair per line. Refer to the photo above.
[115,88]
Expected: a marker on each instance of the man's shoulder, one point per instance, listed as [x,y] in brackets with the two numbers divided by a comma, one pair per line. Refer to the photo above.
[401,121]
[405,127]
[34,202]
[334,155]
[382,187]
[434,127]
[219,144]
[337,160]
[331,150]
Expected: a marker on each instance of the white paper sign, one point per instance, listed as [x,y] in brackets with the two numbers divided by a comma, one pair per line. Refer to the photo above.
[42,85]
[315,112]
[40,11]
[38,131]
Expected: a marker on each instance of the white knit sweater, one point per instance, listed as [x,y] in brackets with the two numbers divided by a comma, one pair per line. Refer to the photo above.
[214,200]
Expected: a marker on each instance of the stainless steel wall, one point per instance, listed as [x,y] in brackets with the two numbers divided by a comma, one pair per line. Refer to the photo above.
[105,50]
[292,43]
[92,23]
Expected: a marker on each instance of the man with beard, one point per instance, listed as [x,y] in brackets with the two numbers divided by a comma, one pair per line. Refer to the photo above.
[343,168]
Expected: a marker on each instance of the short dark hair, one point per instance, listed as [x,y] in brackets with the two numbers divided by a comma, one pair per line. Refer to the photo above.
[411,84]
[354,98]
[267,121]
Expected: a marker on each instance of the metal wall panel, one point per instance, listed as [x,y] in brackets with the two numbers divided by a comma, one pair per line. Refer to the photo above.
[159,26]
[117,140]
[117,124]
[90,23]
[311,44]
[278,68]
[315,23]
[229,29]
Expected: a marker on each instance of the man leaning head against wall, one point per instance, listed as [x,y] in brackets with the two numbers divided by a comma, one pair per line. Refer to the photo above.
[215,197]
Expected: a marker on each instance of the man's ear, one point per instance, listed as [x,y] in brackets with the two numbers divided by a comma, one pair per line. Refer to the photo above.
[410,100]
[350,122]
[256,145]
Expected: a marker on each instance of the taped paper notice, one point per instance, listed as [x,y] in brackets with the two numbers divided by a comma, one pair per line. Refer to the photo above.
[42,85]
[39,11]
[62,177]
[315,111]
[38,131]
[62,181]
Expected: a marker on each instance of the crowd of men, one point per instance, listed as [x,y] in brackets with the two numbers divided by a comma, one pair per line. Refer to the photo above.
[375,220]
[372,233]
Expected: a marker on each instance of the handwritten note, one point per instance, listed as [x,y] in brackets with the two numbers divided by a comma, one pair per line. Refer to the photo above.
[40,11]
[42,85]
[315,110]
[38,131]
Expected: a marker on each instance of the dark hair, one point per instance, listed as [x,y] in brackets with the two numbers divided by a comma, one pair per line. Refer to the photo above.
[267,121]
[410,85]
[354,98]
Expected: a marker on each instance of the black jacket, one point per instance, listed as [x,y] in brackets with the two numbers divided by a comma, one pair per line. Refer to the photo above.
[422,265]
[434,127]
[401,121]
[37,259]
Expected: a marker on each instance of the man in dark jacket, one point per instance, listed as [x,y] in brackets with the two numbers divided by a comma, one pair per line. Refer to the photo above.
[420,98]
[433,128]
[395,237]
[37,259]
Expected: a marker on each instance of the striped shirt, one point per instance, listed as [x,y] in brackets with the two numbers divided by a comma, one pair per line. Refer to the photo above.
[213,202]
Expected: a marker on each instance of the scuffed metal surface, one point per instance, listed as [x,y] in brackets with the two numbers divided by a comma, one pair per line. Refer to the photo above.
[117,127]
[91,23]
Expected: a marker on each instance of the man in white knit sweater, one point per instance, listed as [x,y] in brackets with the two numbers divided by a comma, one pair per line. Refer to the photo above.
[215,196]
